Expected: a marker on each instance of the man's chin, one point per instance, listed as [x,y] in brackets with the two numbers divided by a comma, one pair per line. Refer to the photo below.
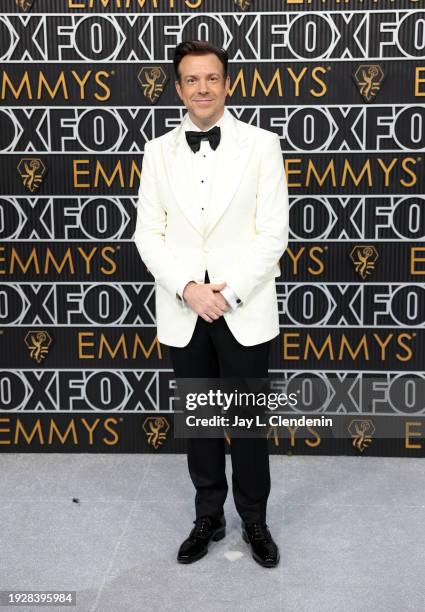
[204,114]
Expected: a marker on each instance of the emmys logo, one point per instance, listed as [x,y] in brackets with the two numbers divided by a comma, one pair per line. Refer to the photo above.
[38,343]
[156,429]
[368,78]
[32,171]
[152,81]
[361,431]
[364,258]
[242,4]
[24,5]
[272,433]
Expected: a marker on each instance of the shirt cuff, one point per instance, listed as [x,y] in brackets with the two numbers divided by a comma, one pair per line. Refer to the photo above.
[231,297]
[180,292]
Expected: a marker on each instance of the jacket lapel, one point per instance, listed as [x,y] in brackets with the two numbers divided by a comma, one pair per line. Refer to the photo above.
[233,153]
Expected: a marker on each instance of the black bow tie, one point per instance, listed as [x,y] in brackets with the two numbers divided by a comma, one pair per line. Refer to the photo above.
[194,138]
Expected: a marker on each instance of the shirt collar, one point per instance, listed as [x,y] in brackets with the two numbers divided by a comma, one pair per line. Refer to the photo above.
[191,126]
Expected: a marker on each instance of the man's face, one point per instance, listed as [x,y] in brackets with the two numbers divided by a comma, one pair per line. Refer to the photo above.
[202,88]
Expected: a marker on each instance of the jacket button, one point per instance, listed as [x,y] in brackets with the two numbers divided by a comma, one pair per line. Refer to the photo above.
[238,301]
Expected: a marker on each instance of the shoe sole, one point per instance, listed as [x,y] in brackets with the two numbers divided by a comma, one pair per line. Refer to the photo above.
[219,534]
[257,558]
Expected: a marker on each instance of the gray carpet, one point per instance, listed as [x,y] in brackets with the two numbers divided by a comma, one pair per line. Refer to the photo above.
[351,532]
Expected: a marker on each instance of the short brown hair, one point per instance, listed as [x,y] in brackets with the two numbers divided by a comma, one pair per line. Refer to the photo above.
[198,47]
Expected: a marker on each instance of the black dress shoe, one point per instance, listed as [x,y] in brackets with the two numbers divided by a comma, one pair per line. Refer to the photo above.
[196,545]
[263,548]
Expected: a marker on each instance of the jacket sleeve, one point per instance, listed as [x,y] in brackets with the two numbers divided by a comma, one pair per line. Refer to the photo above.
[149,235]
[255,264]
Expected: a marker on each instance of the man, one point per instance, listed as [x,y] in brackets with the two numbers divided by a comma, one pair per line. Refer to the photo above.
[212,226]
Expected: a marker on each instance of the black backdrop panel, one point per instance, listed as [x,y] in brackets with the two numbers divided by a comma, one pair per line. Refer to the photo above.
[81,369]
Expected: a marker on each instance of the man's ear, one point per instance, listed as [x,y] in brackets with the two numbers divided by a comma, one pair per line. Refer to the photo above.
[178,89]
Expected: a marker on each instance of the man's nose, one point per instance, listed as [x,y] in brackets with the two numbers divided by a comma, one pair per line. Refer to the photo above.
[203,86]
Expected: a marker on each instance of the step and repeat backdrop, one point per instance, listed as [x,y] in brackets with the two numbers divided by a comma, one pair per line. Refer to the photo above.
[84,84]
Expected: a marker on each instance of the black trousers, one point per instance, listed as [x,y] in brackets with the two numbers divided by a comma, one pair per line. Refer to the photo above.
[213,351]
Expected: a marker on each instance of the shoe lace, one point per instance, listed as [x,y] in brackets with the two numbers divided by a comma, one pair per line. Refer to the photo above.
[258,531]
[202,527]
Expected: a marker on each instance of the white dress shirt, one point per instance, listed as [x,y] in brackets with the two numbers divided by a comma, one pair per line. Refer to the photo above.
[203,166]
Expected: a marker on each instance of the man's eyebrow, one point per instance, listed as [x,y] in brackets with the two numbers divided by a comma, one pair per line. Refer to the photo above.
[195,75]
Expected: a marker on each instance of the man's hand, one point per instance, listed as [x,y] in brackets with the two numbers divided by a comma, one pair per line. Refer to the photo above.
[206,300]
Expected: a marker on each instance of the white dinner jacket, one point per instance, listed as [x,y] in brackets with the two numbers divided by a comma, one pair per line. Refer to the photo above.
[242,238]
